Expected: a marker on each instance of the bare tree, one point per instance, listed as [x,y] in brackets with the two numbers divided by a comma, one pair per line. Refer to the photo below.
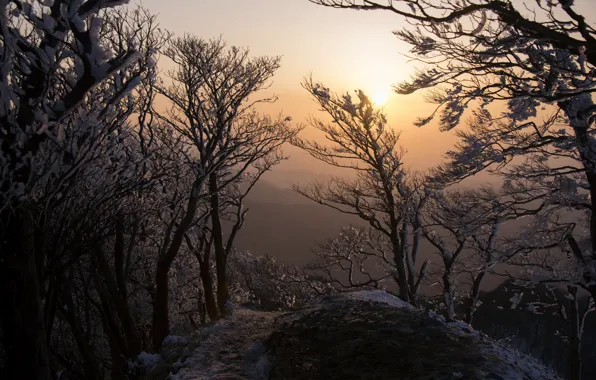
[212,109]
[383,194]
[231,185]
[259,142]
[529,58]
[263,282]
[203,251]
[93,230]
[449,224]
[466,226]
[61,82]
[538,60]
[356,258]
[178,207]
[555,271]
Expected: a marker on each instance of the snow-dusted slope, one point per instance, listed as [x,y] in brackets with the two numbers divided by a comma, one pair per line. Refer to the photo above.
[508,363]
[347,336]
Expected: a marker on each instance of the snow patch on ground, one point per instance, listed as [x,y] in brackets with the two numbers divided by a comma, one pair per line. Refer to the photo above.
[145,361]
[379,296]
[174,339]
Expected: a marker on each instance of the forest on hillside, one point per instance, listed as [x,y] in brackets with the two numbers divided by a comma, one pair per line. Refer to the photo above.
[124,186]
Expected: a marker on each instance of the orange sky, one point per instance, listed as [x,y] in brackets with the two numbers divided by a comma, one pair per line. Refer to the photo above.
[344,49]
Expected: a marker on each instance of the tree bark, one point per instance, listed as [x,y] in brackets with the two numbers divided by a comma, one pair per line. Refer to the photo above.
[413,283]
[114,337]
[120,296]
[203,255]
[161,319]
[473,297]
[202,308]
[575,362]
[448,294]
[218,244]
[23,324]
[114,294]
[398,258]
[90,363]
[210,302]
[585,142]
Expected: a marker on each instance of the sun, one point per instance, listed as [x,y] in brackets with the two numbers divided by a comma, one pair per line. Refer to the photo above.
[379,98]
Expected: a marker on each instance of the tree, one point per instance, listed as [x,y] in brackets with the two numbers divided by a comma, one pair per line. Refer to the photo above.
[449,224]
[84,285]
[529,58]
[212,110]
[383,194]
[60,79]
[490,50]
[228,188]
[263,282]
[177,206]
[356,258]
[551,270]
[203,250]
[259,140]
[466,226]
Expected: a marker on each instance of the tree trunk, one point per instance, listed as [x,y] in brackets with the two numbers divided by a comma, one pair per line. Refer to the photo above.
[581,125]
[117,298]
[575,362]
[112,329]
[90,363]
[473,298]
[218,244]
[114,337]
[585,143]
[411,256]
[120,295]
[207,281]
[202,308]
[24,335]
[401,269]
[118,367]
[448,295]
[161,320]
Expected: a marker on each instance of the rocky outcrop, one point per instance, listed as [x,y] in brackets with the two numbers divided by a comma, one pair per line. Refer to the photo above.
[348,337]
[362,335]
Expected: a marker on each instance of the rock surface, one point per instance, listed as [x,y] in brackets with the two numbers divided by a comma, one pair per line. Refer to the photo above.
[362,335]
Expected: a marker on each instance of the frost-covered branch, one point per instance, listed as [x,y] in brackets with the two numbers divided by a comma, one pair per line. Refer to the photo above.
[383,193]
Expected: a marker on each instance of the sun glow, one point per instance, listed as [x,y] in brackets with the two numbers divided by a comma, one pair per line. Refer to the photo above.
[379,98]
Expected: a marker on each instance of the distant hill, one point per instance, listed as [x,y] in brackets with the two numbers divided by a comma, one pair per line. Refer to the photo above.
[286,225]
[267,192]
[285,178]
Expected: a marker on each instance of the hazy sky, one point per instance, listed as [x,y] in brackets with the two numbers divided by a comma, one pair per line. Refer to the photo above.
[342,48]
